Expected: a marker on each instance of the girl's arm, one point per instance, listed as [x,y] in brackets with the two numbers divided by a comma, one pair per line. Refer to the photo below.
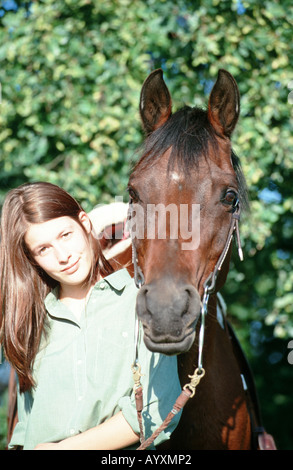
[114,434]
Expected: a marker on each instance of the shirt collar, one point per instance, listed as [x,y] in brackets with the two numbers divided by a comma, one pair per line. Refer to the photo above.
[117,280]
[54,307]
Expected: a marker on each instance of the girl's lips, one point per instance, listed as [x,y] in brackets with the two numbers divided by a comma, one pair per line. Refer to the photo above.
[72,268]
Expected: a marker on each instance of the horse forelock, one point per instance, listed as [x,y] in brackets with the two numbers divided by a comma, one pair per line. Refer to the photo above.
[188,132]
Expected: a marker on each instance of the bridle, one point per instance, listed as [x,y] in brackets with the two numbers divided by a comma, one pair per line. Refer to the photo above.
[210,283]
[209,286]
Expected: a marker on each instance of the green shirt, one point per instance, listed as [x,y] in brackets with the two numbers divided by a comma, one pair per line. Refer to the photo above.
[83,370]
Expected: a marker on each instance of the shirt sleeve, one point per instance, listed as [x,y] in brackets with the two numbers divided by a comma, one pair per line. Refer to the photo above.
[161,388]
[24,405]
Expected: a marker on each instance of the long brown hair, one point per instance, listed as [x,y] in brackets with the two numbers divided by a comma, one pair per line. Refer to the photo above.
[24,285]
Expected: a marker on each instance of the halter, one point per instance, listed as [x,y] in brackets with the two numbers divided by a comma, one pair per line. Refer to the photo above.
[209,285]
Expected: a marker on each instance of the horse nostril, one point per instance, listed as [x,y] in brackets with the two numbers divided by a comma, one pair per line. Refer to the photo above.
[187,305]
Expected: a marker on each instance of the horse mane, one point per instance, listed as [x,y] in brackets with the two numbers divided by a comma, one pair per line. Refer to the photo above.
[190,135]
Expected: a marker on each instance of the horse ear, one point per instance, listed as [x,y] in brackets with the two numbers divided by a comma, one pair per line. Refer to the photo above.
[224,104]
[155,102]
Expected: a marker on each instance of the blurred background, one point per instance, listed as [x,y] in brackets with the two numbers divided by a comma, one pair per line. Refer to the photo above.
[70,77]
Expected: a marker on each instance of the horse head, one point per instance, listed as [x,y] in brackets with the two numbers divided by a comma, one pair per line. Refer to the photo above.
[183,192]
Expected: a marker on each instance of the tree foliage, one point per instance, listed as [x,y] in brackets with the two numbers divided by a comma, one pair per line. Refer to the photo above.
[71,73]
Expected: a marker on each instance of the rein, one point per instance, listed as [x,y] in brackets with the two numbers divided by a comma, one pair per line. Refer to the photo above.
[189,389]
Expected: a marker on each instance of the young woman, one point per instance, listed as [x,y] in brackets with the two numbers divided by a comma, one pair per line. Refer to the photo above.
[67,328]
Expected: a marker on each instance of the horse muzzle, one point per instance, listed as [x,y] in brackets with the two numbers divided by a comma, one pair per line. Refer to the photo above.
[169,314]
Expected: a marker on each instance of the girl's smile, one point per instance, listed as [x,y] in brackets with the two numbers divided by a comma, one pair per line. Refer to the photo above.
[72,268]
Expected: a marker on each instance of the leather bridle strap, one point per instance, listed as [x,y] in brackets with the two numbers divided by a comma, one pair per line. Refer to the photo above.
[179,404]
[188,392]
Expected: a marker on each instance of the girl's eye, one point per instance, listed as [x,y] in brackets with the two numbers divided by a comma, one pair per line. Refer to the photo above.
[66,235]
[43,250]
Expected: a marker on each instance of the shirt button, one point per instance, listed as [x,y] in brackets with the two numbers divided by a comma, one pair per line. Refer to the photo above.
[72,431]
[80,398]
[79,362]
[102,285]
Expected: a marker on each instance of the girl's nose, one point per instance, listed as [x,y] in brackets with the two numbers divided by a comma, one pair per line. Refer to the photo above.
[62,254]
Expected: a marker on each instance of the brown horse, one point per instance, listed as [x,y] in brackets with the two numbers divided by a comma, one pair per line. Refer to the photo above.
[187,162]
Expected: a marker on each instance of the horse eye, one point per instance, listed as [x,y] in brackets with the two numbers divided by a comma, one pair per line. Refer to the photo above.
[132,194]
[230,198]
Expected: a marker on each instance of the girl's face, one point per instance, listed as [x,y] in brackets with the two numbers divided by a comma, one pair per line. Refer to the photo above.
[62,249]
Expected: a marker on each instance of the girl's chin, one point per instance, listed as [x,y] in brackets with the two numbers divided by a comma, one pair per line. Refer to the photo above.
[74,282]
